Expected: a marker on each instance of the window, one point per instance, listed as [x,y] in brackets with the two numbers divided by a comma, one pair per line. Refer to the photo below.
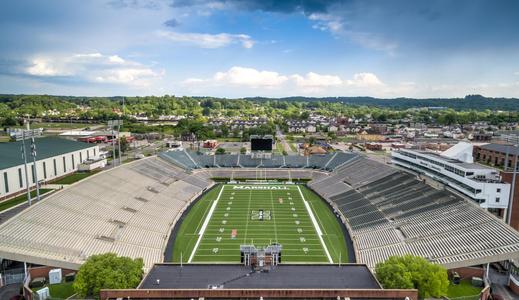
[80,157]
[55,168]
[497,200]
[73,162]
[88,154]
[94,152]
[6,182]
[44,170]
[499,190]
[64,165]
[33,174]
[20,180]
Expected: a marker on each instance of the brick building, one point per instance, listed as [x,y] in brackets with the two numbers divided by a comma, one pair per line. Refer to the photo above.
[496,154]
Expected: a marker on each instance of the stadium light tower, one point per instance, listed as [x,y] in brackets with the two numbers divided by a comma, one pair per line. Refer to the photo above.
[28,133]
[33,153]
[512,189]
[24,157]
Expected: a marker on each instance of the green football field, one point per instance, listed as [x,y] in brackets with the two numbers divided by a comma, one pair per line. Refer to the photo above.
[260,214]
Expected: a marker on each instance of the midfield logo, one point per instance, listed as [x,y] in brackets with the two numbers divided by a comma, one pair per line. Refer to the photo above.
[260,215]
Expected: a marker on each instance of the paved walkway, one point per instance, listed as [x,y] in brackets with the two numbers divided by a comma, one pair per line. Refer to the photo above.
[13,211]
[283,141]
[8,291]
[500,285]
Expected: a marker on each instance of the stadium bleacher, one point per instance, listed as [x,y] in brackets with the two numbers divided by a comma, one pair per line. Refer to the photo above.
[390,212]
[190,160]
[130,210]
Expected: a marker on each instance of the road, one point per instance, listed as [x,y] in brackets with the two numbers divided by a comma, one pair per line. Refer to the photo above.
[283,141]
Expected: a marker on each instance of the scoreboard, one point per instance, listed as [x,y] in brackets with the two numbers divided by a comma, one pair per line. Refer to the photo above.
[264,143]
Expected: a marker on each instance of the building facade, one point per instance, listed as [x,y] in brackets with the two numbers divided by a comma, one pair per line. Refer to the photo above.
[480,183]
[56,157]
[497,154]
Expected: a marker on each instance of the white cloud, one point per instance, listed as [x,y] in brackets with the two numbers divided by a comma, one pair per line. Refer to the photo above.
[314,80]
[338,27]
[327,22]
[46,67]
[364,80]
[94,67]
[205,40]
[310,83]
[250,77]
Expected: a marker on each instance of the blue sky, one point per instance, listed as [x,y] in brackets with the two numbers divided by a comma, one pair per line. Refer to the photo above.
[238,48]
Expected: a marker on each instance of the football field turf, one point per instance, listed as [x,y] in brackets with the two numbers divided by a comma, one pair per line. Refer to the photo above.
[260,214]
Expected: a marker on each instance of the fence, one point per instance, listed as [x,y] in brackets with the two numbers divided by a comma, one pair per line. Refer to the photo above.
[12,276]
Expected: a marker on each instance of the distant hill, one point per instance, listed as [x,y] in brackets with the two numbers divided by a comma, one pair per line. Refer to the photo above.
[469,102]
[475,102]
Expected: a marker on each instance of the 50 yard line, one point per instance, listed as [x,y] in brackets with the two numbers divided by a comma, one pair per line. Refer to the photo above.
[204,226]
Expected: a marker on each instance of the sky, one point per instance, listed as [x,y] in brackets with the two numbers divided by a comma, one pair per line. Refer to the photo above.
[247,48]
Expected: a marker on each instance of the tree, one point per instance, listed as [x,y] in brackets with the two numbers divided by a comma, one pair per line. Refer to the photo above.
[220,151]
[124,144]
[243,150]
[108,271]
[408,272]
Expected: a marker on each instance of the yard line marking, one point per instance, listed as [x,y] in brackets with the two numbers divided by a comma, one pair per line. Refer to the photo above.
[316,225]
[204,226]
[274,218]
[247,216]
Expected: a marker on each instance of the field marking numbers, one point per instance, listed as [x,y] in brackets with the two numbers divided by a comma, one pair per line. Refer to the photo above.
[316,225]
[204,226]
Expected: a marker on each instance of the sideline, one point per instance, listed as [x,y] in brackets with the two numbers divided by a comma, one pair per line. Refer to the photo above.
[316,225]
[204,226]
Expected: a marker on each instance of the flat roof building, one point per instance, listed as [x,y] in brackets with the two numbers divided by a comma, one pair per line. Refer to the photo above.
[56,157]
[238,281]
[455,168]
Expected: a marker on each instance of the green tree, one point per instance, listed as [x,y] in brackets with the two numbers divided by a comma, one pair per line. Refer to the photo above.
[407,272]
[107,271]
[243,150]
[124,144]
[220,151]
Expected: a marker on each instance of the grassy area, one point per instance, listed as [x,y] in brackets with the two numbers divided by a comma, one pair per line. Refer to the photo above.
[463,289]
[261,216]
[229,139]
[60,290]
[19,199]
[4,138]
[279,147]
[70,179]
[292,147]
[187,234]
[53,125]
[333,235]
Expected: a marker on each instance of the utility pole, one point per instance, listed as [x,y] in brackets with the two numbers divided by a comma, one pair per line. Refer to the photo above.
[512,190]
[119,140]
[33,153]
[24,156]
[113,146]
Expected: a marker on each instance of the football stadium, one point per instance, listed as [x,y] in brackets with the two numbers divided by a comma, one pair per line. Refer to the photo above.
[251,226]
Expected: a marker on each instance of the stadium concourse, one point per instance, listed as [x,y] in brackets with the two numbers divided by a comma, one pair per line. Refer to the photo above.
[132,209]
